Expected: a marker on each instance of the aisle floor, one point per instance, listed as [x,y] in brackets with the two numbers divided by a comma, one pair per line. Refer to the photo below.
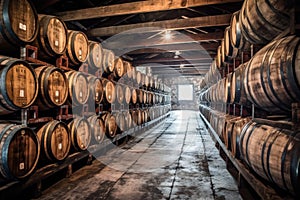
[176,159]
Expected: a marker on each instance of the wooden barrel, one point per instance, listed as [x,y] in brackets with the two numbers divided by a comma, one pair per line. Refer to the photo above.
[134,117]
[273,154]
[96,89]
[77,47]
[108,62]
[133,73]
[19,85]
[134,96]
[145,97]
[110,124]
[121,123]
[20,151]
[271,81]
[109,90]
[140,96]
[128,69]
[237,39]
[120,93]
[128,120]
[140,119]
[262,21]
[139,77]
[150,98]
[237,93]
[53,87]
[19,24]
[80,132]
[147,81]
[119,69]
[52,37]
[127,94]
[213,75]
[234,136]
[219,58]
[97,128]
[224,57]
[78,88]
[95,57]
[229,50]
[55,141]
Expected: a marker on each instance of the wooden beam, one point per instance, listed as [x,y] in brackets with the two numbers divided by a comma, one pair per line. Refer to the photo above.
[196,65]
[168,60]
[142,40]
[155,51]
[136,7]
[171,47]
[175,24]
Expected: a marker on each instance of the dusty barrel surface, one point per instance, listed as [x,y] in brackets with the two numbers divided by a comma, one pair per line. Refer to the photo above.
[97,128]
[272,78]
[95,57]
[262,21]
[17,31]
[237,89]
[96,89]
[127,94]
[19,149]
[77,47]
[108,62]
[78,88]
[109,89]
[273,154]
[119,69]
[80,132]
[53,87]
[55,140]
[120,93]
[110,124]
[237,39]
[52,37]
[229,50]
[18,85]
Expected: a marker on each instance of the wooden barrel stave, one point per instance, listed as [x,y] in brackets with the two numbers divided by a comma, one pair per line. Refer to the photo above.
[120,93]
[20,151]
[109,90]
[17,31]
[55,140]
[95,89]
[78,88]
[53,87]
[110,124]
[97,129]
[273,154]
[119,69]
[80,131]
[52,37]
[22,92]
[95,56]
[77,47]
[108,62]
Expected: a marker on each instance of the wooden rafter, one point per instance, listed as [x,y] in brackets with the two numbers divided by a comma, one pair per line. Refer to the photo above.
[136,7]
[175,24]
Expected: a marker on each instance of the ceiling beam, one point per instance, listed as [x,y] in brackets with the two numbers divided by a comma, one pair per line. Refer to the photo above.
[142,40]
[136,7]
[175,24]
[155,51]
[195,65]
[171,47]
[191,60]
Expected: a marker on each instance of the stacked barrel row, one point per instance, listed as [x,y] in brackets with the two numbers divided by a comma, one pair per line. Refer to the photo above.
[273,153]
[92,76]
[270,79]
[257,23]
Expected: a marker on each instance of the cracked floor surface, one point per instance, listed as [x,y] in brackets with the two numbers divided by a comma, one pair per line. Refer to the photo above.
[176,159]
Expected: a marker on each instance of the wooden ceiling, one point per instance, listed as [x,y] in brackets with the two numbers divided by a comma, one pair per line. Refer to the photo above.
[138,30]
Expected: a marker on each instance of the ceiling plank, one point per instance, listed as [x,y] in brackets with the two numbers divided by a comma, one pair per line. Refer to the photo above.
[204,59]
[141,40]
[136,7]
[175,24]
[195,65]
[156,51]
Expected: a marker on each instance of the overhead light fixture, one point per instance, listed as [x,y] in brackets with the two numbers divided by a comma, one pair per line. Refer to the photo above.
[181,66]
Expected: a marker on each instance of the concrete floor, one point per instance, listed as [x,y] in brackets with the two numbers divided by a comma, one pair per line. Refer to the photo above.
[175,160]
